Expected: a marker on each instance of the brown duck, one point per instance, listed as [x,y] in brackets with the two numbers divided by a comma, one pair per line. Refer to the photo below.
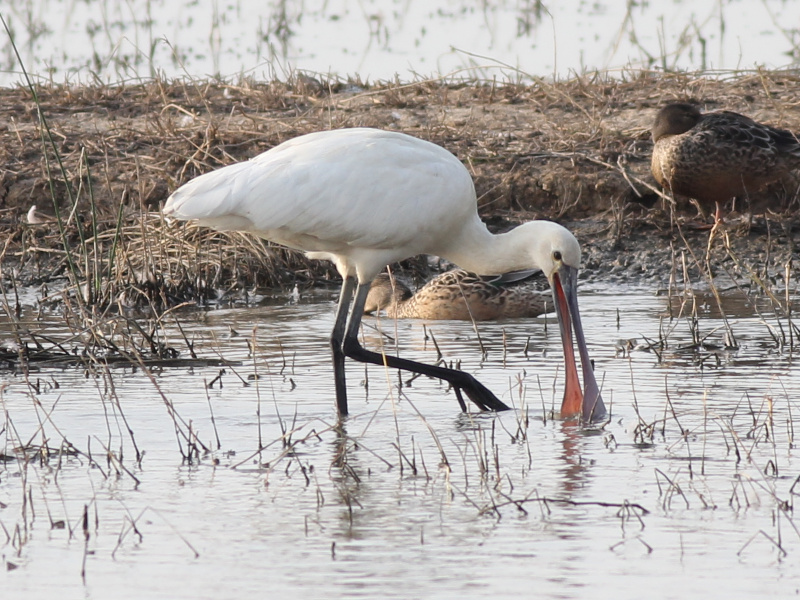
[716,156]
[457,295]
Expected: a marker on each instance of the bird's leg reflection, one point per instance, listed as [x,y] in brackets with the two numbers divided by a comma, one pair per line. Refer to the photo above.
[344,472]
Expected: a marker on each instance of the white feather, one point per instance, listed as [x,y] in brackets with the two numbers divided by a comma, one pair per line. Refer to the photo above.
[365,198]
[337,191]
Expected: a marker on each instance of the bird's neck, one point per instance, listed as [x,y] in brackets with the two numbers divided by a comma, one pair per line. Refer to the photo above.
[485,253]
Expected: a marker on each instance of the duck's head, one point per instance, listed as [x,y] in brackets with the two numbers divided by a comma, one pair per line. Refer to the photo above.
[675,119]
[384,291]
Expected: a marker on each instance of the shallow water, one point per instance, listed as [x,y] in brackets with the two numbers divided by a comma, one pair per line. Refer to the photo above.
[372,511]
[112,40]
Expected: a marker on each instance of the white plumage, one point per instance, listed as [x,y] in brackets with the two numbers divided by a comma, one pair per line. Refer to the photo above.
[365,198]
[306,192]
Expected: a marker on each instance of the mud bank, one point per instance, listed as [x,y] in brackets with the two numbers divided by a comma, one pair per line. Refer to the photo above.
[575,151]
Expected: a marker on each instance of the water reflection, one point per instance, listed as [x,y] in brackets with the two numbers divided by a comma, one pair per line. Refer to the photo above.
[573,473]
[348,477]
[730,305]
[406,501]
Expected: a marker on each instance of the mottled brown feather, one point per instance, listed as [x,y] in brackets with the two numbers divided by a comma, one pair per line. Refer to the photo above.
[457,295]
[716,156]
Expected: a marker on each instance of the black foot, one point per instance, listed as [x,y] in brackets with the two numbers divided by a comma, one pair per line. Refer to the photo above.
[482,397]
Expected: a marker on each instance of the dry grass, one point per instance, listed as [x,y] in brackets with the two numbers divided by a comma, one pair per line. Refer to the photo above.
[570,150]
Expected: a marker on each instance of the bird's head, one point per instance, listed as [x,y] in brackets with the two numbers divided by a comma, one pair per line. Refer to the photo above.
[385,292]
[675,119]
[556,250]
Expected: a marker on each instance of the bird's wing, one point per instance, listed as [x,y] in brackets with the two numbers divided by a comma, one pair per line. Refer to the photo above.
[744,131]
[513,277]
[363,188]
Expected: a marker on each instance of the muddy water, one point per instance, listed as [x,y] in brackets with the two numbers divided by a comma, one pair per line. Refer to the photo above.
[411,498]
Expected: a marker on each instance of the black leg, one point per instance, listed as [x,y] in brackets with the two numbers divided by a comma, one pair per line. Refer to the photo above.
[337,339]
[475,390]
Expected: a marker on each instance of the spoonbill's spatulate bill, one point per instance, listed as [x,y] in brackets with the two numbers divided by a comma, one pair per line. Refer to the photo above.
[365,198]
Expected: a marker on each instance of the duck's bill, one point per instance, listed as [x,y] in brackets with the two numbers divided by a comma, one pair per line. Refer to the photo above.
[587,404]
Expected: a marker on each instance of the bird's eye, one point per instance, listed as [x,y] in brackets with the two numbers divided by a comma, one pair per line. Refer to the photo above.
[557,256]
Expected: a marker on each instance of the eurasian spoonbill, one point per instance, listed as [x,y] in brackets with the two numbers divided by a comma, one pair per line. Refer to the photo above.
[365,198]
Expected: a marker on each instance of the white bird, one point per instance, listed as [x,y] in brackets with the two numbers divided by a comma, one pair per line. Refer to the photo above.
[365,198]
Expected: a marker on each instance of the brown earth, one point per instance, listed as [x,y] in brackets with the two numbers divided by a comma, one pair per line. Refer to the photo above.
[575,151]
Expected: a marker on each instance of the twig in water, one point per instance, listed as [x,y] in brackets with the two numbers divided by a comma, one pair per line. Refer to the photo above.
[672,487]
[629,506]
[766,535]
